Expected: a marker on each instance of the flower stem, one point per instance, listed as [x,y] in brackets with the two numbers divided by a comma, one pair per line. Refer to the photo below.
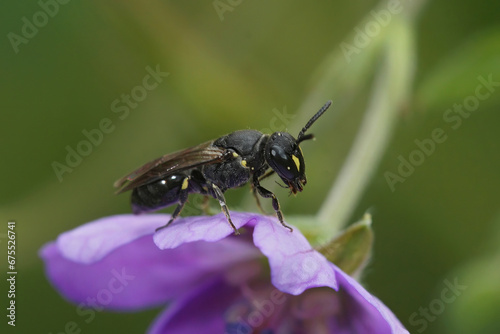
[390,91]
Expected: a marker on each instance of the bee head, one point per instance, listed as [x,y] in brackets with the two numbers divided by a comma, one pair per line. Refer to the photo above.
[284,156]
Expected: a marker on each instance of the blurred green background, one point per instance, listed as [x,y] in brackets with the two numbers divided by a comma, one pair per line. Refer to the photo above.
[233,70]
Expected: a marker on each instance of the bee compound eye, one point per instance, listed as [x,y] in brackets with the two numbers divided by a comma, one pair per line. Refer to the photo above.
[282,163]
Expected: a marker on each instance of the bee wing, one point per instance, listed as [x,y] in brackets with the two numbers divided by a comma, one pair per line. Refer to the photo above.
[154,170]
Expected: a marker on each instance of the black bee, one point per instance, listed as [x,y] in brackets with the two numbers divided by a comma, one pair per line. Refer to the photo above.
[213,167]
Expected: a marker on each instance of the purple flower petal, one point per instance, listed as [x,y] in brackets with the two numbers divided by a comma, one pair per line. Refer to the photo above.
[113,263]
[202,311]
[205,228]
[93,241]
[365,313]
[295,265]
[137,274]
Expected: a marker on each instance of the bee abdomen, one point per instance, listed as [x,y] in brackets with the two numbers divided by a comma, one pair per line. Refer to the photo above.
[159,194]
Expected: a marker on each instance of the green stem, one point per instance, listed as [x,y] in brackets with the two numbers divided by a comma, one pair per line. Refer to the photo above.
[391,87]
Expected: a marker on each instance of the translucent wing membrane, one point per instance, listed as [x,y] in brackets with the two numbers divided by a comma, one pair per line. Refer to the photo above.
[154,170]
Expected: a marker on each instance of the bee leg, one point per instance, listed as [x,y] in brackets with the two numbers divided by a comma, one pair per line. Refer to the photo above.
[254,193]
[254,190]
[276,205]
[222,201]
[183,197]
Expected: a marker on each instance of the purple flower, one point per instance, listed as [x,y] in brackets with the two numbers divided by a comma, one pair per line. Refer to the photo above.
[226,286]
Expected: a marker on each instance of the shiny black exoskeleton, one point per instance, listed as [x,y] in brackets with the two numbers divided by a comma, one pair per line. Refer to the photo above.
[216,166]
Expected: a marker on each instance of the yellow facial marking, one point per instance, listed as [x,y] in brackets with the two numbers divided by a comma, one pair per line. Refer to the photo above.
[244,163]
[297,162]
[185,183]
[235,154]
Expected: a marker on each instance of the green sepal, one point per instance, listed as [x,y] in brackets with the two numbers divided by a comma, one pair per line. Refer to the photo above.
[351,249]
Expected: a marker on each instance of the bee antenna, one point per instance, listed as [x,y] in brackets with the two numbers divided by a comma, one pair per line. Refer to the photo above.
[302,136]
